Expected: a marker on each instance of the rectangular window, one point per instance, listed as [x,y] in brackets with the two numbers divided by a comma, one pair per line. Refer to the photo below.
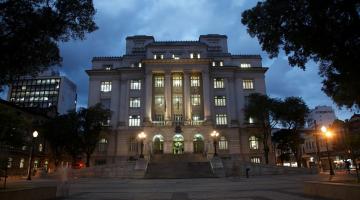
[245,65]
[220,100]
[255,160]
[218,82]
[159,118]
[217,63]
[177,102]
[221,119]
[177,81]
[195,99]
[105,86]
[195,81]
[248,84]
[134,120]
[178,118]
[135,85]
[159,100]
[134,102]
[175,57]
[223,143]
[22,163]
[158,56]
[159,81]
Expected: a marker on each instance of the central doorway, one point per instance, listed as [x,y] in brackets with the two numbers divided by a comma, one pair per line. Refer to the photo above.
[198,143]
[178,144]
[158,144]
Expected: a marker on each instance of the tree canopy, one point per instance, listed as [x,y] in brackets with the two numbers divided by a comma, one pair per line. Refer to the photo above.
[325,31]
[31,29]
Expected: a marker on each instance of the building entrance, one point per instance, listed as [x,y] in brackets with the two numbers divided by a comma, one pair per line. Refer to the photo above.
[158,144]
[178,144]
[198,143]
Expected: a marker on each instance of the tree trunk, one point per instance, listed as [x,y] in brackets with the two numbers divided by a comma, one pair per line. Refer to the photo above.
[88,155]
[266,146]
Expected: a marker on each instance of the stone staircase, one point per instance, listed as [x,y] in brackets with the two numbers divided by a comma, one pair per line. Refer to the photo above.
[179,166]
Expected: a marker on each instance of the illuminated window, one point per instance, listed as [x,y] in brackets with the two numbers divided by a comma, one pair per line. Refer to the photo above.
[102,145]
[158,81]
[22,163]
[195,117]
[135,85]
[195,55]
[221,119]
[218,83]
[195,99]
[108,66]
[9,164]
[251,120]
[134,120]
[248,84]
[191,55]
[177,81]
[198,55]
[220,100]
[195,81]
[159,118]
[105,86]
[255,160]
[140,65]
[158,56]
[159,100]
[217,63]
[254,142]
[177,102]
[175,57]
[223,143]
[245,65]
[134,102]
[40,147]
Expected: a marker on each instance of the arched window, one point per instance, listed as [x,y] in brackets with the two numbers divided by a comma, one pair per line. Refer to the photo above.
[102,146]
[253,142]
[223,143]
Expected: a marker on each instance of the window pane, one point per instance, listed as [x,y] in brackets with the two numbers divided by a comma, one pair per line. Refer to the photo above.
[221,119]
[195,99]
[220,100]
[134,102]
[248,84]
[177,81]
[218,83]
[135,85]
[195,81]
[159,81]
[105,86]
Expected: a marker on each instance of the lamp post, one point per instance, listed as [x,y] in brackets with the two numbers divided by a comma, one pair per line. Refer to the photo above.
[317,146]
[328,135]
[142,136]
[215,135]
[35,134]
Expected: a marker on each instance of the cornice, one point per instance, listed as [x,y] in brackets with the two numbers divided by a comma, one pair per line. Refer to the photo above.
[176,62]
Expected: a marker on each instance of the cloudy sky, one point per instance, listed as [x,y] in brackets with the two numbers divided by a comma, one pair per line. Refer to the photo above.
[185,20]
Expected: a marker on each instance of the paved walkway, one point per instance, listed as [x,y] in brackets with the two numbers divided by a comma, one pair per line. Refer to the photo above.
[289,187]
[258,188]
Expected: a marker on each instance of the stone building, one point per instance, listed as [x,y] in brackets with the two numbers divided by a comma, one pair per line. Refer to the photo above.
[177,93]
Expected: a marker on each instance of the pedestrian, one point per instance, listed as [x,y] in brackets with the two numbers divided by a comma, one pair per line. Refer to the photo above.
[347,166]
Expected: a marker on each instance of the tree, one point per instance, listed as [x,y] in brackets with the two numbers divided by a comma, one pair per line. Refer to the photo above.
[91,122]
[30,32]
[265,112]
[281,140]
[56,136]
[350,144]
[292,117]
[324,31]
[14,127]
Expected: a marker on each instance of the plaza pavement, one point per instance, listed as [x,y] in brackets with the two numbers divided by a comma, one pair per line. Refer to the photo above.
[279,187]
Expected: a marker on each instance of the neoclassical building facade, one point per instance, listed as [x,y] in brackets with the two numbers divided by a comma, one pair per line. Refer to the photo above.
[177,93]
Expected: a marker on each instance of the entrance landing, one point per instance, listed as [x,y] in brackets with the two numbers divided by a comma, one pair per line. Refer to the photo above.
[179,166]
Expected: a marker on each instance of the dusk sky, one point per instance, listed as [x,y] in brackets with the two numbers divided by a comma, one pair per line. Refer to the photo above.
[185,20]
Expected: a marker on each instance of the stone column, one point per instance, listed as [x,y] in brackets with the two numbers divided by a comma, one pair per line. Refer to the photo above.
[115,102]
[230,99]
[123,118]
[148,96]
[187,107]
[168,101]
[206,95]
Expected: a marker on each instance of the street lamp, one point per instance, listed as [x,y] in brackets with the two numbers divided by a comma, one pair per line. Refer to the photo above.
[35,134]
[142,136]
[215,135]
[328,135]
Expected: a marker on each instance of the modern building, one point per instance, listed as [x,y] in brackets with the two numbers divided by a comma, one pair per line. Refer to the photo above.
[177,93]
[45,91]
[323,115]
